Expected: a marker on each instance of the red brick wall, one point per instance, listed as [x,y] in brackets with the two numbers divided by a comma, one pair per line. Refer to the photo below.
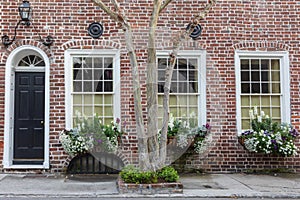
[231,25]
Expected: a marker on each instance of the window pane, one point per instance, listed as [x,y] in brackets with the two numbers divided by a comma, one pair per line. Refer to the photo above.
[77,86]
[245,124]
[108,86]
[193,100]
[245,100]
[108,111]
[173,100]
[254,64]
[98,99]
[275,65]
[275,88]
[245,88]
[98,62]
[264,64]
[193,87]
[88,99]
[87,86]
[255,88]
[89,79]
[88,74]
[265,88]
[275,76]
[193,64]
[98,74]
[255,76]
[77,99]
[264,76]
[108,75]
[184,84]
[245,76]
[244,64]
[162,63]
[98,86]
[276,112]
[255,101]
[262,89]
[77,109]
[182,64]
[108,99]
[275,100]
[88,63]
[161,87]
[108,63]
[182,100]
[265,101]
[99,110]
[88,111]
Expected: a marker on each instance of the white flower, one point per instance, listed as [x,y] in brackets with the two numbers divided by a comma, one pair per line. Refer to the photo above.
[255,110]
[259,118]
[267,117]
[251,114]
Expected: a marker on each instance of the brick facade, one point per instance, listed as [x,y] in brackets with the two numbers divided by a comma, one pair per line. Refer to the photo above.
[252,25]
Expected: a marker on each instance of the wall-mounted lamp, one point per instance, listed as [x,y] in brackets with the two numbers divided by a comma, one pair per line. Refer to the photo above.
[25,12]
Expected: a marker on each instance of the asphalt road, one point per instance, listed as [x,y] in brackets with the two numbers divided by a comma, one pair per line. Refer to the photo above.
[80,198]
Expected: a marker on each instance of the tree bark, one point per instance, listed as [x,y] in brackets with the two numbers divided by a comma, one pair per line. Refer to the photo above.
[152,101]
[140,126]
[155,156]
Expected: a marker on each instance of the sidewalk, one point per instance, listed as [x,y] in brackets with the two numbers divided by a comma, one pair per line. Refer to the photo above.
[205,186]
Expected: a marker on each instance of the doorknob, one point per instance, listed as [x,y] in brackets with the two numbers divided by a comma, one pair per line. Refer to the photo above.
[42,122]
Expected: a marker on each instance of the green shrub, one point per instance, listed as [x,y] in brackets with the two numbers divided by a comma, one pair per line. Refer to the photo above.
[131,174]
[168,174]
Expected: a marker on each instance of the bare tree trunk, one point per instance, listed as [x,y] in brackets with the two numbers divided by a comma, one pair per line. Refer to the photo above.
[140,126]
[156,151]
[152,102]
[142,137]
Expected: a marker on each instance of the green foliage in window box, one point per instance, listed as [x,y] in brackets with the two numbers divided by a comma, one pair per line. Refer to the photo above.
[269,137]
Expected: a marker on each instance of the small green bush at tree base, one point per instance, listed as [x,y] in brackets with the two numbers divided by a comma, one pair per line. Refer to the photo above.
[131,174]
[168,174]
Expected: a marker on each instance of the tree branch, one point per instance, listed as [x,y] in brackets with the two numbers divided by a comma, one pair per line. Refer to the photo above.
[117,6]
[205,11]
[115,15]
[164,5]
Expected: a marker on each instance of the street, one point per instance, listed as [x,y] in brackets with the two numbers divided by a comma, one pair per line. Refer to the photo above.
[104,198]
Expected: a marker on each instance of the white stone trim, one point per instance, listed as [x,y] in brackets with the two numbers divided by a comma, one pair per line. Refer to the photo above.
[10,66]
[68,79]
[284,81]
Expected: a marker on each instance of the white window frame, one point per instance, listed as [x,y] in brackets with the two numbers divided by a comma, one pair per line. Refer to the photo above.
[69,54]
[201,56]
[283,57]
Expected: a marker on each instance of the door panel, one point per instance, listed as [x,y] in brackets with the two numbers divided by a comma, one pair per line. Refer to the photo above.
[29,118]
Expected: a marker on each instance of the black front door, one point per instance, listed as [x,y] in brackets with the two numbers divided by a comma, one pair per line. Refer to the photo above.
[29,118]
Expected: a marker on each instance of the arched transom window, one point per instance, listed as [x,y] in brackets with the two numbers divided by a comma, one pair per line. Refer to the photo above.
[31,61]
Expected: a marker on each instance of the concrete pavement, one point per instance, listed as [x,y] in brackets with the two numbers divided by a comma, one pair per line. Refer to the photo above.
[205,186]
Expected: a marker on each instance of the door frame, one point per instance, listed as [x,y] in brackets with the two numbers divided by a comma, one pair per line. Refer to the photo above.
[10,69]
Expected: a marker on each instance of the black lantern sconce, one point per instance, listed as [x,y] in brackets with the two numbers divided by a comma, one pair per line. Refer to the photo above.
[25,12]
